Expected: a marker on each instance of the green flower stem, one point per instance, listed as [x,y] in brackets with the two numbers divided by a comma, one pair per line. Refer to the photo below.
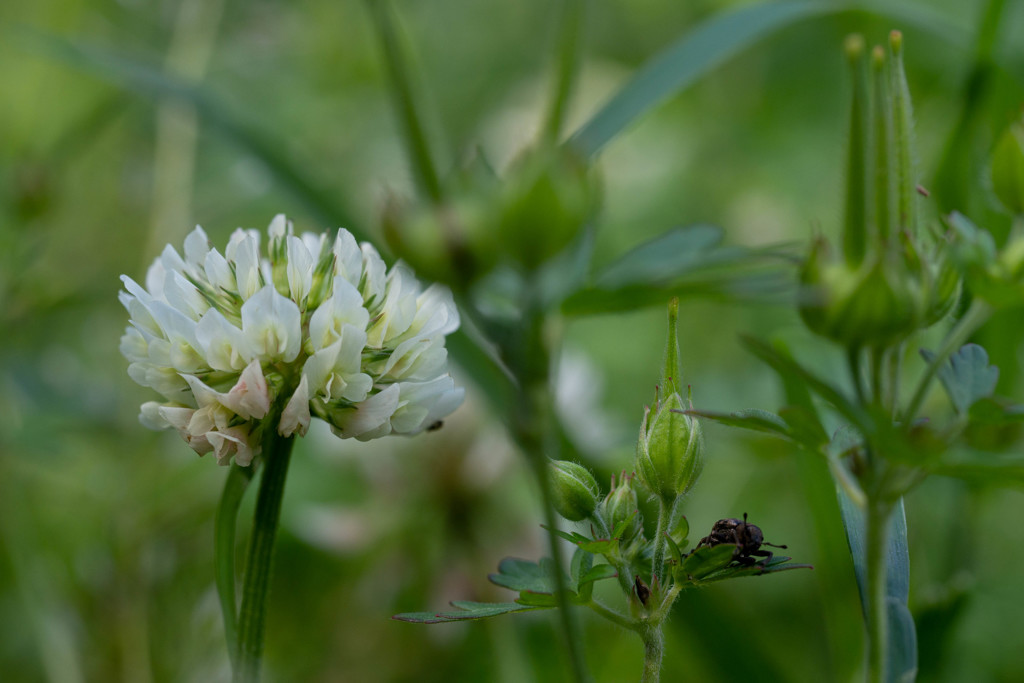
[405,103]
[654,648]
[568,56]
[224,541]
[877,544]
[974,318]
[277,454]
[613,616]
[660,542]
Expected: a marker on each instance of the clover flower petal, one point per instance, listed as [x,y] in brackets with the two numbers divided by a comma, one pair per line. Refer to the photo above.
[237,344]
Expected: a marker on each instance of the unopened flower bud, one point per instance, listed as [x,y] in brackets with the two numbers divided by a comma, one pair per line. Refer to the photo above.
[545,199]
[621,505]
[1008,168]
[574,490]
[670,451]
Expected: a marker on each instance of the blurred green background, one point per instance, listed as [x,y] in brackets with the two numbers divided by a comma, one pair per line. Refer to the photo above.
[106,551]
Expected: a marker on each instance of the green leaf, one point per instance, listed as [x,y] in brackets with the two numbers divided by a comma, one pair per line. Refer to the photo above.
[985,469]
[570,536]
[685,62]
[777,564]
[601,547]
[224,549]
[622,525]
[705,560]
[662,258]
[598,573]
[581,563]
[790,370]
[966,376]
[537,599]
[523,575]
[753,419]
[676,553]
[466,611]
[902,639]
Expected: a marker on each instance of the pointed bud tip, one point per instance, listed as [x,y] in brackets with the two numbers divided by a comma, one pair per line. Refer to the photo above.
[854,47]
[896,41]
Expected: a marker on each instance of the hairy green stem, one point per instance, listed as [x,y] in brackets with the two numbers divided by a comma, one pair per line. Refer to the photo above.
[975,316]
[660,542]
[224,543]
[613,616]
[654,648]
[276,454]
[877,544]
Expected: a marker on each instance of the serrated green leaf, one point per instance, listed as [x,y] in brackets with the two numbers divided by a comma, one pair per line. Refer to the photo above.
[598,573]
[535,599]
[581,563]
[466,611]
[523,575]
[601,547]
[967,376]
[705,560]
[754,419]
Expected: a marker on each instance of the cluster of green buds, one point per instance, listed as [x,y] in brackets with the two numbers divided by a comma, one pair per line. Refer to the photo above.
[576,496]
[892,277]
[531,214]
[670,450]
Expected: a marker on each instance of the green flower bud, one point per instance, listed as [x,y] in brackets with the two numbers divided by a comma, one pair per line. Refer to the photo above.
[1008,168]
[621,504]
[670,451]
[574,490]
[544,201]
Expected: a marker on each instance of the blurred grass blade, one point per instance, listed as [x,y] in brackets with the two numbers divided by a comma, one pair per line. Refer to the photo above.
[151,81]
[902,667]
[224,553]
[685,62]
[424,169]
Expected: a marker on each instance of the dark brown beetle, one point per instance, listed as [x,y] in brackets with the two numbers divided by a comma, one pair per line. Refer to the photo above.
[747,538]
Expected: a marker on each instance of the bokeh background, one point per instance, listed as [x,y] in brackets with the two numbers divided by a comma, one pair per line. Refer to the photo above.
[106,550]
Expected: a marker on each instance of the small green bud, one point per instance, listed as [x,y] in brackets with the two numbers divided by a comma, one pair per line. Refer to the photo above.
[1008,168]
[574,490]
[670,451]
[544,201]
[621,504]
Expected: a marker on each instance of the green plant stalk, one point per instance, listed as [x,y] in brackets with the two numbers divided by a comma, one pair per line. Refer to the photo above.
[654,649]
[276,454]
[224,543]
[877,544]
[405,103]
[530,361]
[660,542]
[568,59]
[974,318]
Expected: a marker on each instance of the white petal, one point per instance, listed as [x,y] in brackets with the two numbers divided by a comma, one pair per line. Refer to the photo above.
[150,417]
[272,325]
[296,417]
[218,271]
[134,346]
[300,269]
[279,227]
[223,345]
[371,414]
[373,279]
[348,262]
[345,306]
[250,397]
[197,244]
[244,251]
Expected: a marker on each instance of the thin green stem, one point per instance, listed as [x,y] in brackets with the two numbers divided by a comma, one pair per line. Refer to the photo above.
[568,60]
[660,542]
[224,542]
[613,616]
[405,103]
[975,316]
[654,648]
[877,387]
[276,454]
[877,544]
[895,360]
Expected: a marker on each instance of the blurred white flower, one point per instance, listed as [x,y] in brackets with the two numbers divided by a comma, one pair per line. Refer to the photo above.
[237,344]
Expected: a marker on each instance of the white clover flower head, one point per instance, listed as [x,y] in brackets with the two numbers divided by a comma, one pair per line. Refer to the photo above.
[236,344]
